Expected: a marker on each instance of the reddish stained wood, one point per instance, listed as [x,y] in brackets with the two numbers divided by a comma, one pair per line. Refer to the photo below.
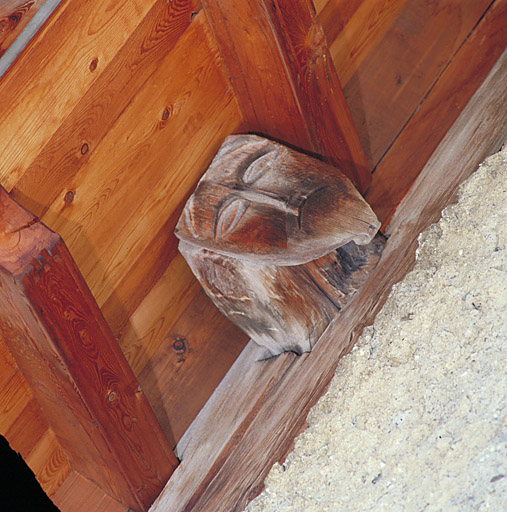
[429,124]
[351,45]
[75,368]
[14,397]
[335,15]
[281,71]
[318,88]
[77,494]
[7,364]
[28,428]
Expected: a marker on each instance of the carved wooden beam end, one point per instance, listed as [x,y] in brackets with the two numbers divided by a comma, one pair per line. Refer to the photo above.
[280,241]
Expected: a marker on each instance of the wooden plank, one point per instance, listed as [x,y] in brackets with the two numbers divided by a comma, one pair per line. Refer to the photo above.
[37,20]
[132,191]
[7,364]
[132,288]
[49,463]
[14,16]
[78,135]
[27,429]
[158,312]
[32,106]
[426,128]
[350,45]
[398,73]
[14,397]
[282,74]
[251,420]
[76,370]
[189,364]
[335,14]
[77,494]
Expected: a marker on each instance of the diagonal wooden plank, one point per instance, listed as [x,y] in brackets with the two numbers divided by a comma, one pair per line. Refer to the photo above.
[428,125]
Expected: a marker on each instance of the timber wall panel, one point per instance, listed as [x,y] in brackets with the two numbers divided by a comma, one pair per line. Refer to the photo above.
[411,150]
[69,55]
[23,424]
[388,55]
[77,494]
[81,131]
[49,462]
[355,28]
[149,121]
[142,190]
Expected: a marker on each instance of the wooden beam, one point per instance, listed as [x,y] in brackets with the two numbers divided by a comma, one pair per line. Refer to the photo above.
[283,76]
[74,366]
[255,413]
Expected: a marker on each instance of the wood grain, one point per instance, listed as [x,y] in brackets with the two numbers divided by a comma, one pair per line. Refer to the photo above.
[77,494]
[78,135]
[27,429]
[228,450]
[132,191]
[7,364]
[132,289]
[278,63]
[49,462]
[397,75]
[32,106]
[158,312]
[75,368]
[189,364]
[14,16]
[443,104]
[14,397]
[353,43]
[335,14]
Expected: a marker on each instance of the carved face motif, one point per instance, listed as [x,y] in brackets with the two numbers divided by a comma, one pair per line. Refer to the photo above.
[263,202]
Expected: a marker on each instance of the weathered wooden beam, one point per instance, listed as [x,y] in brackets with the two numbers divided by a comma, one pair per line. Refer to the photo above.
[65,350]
[283,76]
[279,241]
[252,418]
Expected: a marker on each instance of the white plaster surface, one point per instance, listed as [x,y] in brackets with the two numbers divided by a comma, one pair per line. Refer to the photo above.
[415,418]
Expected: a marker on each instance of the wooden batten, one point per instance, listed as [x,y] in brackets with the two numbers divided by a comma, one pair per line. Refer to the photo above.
[73,365]
[284,79]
